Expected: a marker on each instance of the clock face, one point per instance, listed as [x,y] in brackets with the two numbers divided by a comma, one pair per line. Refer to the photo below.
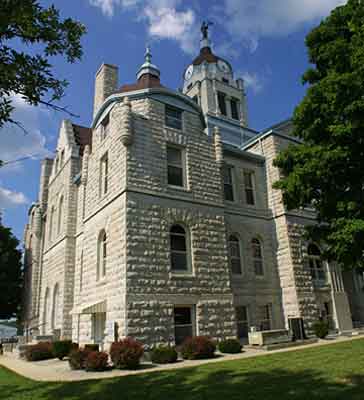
[223,66]
[189,72]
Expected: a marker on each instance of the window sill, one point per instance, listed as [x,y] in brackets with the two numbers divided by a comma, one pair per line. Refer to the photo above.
[182,275]
[180,188]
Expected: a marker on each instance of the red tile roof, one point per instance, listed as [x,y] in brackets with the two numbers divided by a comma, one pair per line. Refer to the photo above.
[83,136]
[144,82]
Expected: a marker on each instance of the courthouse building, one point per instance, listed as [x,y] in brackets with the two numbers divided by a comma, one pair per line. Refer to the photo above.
[159,220]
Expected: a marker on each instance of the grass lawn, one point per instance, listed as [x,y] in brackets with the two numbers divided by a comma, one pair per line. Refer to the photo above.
[329,372]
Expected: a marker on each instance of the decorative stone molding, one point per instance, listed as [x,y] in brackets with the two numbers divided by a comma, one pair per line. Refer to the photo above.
[126,123]
[218,147]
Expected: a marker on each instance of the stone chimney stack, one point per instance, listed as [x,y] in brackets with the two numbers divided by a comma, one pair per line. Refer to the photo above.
[106,82]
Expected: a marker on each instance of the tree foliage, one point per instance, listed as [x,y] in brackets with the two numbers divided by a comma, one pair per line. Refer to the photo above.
[11,275]
[327,170]
[24,24]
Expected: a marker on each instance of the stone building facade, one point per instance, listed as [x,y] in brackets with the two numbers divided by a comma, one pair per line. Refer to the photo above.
[159,221]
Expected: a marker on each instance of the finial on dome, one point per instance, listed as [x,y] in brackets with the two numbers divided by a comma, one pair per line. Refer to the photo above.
[148,67]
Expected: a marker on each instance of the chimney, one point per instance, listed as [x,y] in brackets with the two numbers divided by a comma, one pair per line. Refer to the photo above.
[106,82]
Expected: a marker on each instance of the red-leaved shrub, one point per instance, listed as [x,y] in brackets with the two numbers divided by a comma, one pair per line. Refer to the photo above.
[96,361]
[126,353]
[77,358]
[39,351]
[198,347]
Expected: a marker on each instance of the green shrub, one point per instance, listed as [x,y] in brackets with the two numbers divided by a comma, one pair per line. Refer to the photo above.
[198,347]
[39,351]
[230,346]
[62,348]
[126,353]
[96,361]
[77,358]
[163,355]
[92,347]
[321,329]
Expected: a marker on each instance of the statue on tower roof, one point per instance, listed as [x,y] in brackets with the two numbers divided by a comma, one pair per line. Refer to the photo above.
[205,29]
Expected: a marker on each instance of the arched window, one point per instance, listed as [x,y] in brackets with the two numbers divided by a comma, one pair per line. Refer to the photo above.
[179,249]
[55,309]
[315,263]
[257,256]
[46,312]
[51,220]
[102,255]
[234,255]
[60,215]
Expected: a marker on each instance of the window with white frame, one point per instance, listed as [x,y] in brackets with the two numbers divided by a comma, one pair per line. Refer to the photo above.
[173,117]
[102,255]
[184,325]
[175,166]
[228,183]
[104,171]
[264,317]
[249,187]
[257,256]
[51,221]
[234,255]
[316,265]
[60,215]
[241,313]
[104,126]
[179,247]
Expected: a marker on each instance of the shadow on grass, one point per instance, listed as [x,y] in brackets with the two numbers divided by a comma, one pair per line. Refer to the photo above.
[197,384]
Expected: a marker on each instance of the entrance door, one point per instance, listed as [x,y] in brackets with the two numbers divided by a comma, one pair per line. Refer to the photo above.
[99,322]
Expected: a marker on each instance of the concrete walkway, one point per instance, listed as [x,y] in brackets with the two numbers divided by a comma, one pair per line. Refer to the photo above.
[59,371]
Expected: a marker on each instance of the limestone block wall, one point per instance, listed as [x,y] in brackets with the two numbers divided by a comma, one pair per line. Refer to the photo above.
[88,289]
[147,156]
[149,275]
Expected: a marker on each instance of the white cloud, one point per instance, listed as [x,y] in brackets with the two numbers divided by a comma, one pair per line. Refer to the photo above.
[15,143]
[248,20]
[164,19]
[10,198]
[168,23]
[253,81]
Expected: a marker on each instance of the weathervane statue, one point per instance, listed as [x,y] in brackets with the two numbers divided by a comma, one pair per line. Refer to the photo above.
[205,29]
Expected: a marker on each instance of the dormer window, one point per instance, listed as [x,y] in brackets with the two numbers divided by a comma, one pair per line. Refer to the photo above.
[105,126]
[173,117]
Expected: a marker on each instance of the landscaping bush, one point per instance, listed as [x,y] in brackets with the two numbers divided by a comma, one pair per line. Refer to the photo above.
[321,329]
[163,355]
[92,347]
[126,353]
[77,358]
[198,347]
[230,346]
[62,348]
[39,351]
[96,361]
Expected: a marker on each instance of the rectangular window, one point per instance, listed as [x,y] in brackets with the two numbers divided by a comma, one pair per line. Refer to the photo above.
[105,126]
[249,187]
[222,103]
[241,313]
[175,166]
[234,109]
[173,117]
[183,323]
[264,317]
[228,183]
[104,167]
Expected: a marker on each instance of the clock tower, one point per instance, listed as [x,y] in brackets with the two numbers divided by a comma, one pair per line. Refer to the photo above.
[209,81]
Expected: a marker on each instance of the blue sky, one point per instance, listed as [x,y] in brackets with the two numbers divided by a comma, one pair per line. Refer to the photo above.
[263,40]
